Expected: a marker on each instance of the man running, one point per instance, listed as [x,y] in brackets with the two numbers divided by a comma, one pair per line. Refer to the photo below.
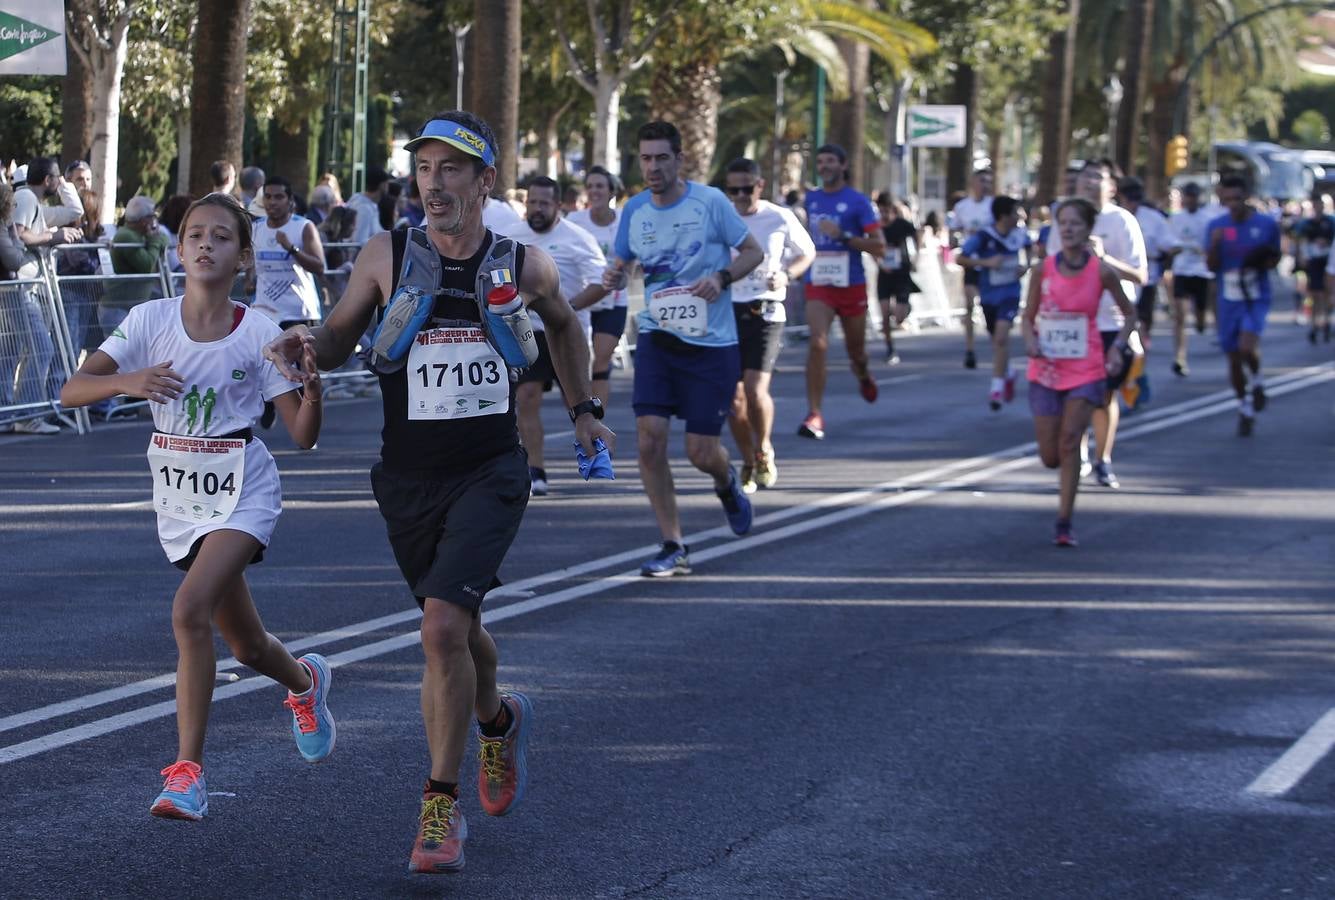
[452,482]
[1315,234]
[1159,246]
[608,316]
[1000,254]
[1243,248]
[757,301]
[1191,276]
[1120,246]
[894,280]
[843,225]
[686,358]
[970,214]
[580,263]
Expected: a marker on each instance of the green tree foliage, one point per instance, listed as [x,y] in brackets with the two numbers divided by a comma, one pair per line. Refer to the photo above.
[30,111]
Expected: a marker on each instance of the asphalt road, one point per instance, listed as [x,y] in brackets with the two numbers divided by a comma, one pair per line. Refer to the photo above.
[895,687]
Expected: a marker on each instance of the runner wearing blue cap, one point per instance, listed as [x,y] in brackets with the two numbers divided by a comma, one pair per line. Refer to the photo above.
[453,481]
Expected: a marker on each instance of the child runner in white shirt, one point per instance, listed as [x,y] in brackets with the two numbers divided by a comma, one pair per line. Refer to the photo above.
[198,359]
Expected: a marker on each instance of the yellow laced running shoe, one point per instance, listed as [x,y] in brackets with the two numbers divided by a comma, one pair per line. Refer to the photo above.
[503,768]
[441,830]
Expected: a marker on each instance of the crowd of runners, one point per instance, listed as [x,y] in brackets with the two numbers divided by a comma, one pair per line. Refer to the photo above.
[462,370]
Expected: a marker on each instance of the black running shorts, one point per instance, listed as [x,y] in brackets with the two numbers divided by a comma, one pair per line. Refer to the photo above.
[758,341]
[450,533]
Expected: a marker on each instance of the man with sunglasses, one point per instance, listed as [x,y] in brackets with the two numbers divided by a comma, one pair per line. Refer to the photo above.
[757,302]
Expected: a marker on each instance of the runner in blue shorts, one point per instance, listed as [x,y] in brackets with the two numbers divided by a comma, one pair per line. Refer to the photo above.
[1244,247]
[686,359]
[1000,253]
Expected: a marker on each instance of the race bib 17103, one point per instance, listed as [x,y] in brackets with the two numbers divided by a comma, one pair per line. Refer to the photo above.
[455,373]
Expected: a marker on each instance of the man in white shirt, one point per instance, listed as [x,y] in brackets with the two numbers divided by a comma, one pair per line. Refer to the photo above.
[500,217]
[969,216]
[580,263]
[366,205]
[1116,241]
[1159,247]
[757,303]
[34,232]
[1192,278]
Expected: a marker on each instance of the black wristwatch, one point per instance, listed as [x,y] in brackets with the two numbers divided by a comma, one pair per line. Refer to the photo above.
[592,405]
[724,277]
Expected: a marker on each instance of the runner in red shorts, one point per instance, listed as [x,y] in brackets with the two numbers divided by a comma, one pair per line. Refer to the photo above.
[843,225]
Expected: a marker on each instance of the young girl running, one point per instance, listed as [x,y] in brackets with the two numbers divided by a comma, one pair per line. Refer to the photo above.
[197,358]
[1068,360]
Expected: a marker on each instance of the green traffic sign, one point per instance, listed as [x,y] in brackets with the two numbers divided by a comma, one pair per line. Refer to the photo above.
[19,35]
[923,126]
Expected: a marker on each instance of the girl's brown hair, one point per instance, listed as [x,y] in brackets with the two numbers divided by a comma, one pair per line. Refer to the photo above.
[229,203]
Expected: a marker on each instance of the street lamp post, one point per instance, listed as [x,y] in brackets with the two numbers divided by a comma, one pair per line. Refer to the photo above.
[776,163]
[460,32]
[1112,92]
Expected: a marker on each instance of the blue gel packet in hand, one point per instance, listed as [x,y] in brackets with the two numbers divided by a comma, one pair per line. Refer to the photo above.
[598,467]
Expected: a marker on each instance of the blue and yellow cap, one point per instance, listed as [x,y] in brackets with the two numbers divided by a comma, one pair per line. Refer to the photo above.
[459,136]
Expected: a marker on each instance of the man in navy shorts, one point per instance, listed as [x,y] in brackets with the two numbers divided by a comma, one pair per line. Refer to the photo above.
[686,359]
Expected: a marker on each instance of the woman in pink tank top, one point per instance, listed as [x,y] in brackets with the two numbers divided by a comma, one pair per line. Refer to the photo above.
[1067,363]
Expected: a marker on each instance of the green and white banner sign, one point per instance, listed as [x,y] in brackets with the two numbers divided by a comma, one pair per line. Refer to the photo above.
[32,37]
[937,126]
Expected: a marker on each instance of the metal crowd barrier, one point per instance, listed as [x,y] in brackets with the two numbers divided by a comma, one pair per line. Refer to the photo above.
[35,355]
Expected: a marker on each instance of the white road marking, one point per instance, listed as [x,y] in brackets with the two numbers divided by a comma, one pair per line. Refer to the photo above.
[855,505]
[1285,773]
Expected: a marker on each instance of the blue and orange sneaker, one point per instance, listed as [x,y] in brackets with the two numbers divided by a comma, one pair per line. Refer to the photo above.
[312,724]
[441,830]
[502,774]
[184,795]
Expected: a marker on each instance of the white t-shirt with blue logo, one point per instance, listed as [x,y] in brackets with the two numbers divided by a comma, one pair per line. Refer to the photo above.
[678,245]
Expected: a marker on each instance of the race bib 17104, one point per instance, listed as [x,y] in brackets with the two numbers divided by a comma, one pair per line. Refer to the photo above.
[196,480]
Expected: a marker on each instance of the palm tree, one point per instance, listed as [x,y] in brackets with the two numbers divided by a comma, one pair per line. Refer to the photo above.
[1139,22]
[493,91]
[219,86]
[689,55]
[1058,88]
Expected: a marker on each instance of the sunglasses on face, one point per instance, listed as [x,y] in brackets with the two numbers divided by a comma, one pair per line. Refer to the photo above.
[741,191]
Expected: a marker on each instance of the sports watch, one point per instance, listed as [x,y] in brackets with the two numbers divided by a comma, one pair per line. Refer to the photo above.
[724,278]
[593,405]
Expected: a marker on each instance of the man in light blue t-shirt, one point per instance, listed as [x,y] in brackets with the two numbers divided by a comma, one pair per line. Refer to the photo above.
[686,358]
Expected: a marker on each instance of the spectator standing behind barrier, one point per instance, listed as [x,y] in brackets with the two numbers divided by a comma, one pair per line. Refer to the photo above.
[367,205]
[173,211]
[320,204]
[12,256]
[37,347]
[78,178]
[139,229]
[222,175]
[251,183]
[80,297]
[328,180]
[337,229]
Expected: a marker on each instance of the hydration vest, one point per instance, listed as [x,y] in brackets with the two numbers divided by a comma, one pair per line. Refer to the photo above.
[409,309]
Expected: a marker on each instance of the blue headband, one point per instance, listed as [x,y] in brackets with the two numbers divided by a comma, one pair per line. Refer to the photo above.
[461,137]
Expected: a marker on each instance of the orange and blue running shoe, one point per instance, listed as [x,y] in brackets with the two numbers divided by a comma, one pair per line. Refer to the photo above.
[184,795]
[502,775]
[312,725]
[441,830]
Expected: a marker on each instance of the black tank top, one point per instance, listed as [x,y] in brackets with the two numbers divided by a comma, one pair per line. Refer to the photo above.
[444,446]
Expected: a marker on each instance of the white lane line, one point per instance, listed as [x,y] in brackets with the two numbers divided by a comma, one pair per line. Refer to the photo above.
[1285,773]
[393,644]
[521,588]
